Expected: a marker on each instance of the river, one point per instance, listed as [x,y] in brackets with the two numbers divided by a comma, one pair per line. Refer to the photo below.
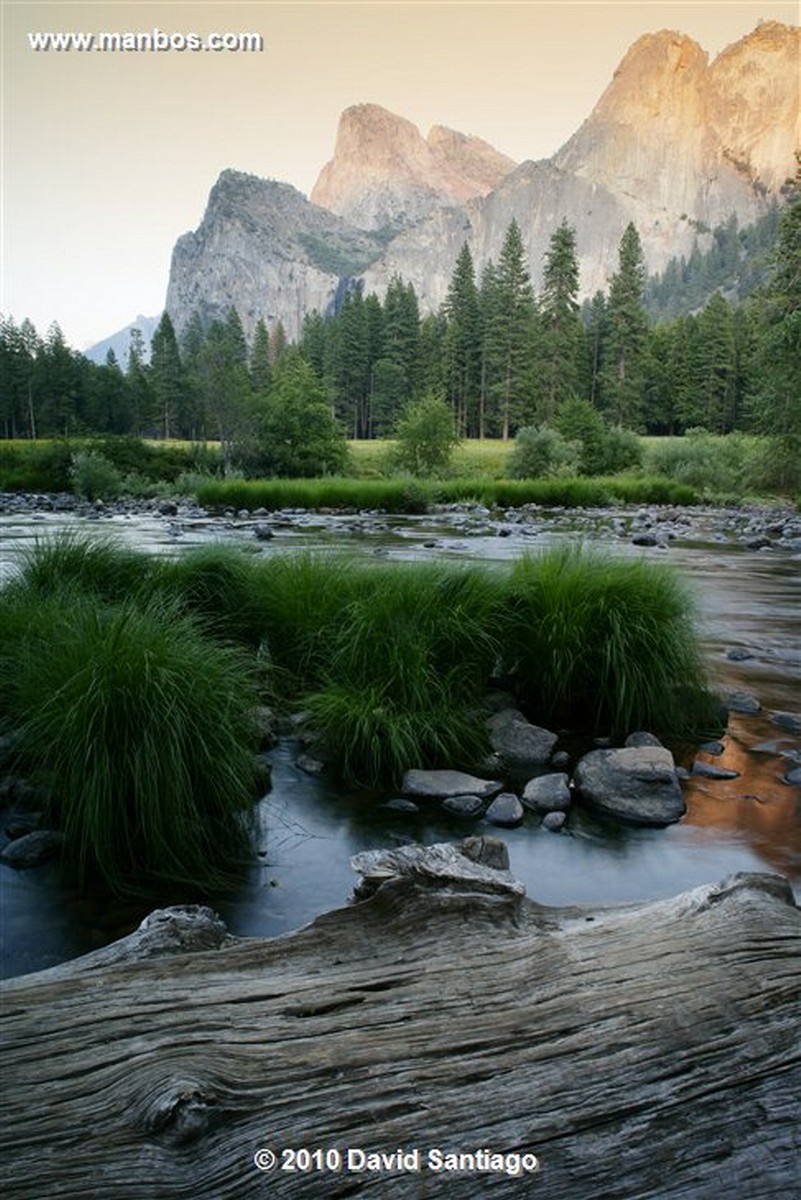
[749,605]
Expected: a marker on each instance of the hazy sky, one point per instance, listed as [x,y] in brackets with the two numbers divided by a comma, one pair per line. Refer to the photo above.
[108,157]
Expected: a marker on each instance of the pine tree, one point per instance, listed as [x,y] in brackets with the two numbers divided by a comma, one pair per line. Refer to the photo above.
[627,333]
[717,365]
[562,330]
[260,366]
[509,335]
[166,377]
[462,346]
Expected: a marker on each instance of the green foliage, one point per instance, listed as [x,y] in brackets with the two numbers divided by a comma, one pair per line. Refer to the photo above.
[35,466]
[298,435]
[541,452]
[344,257]
[715,466]
[98,567]
[605,644]
[425,437]
[140,730]
[94,477]
[388,495]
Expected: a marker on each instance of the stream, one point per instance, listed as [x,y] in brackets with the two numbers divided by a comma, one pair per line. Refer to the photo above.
[749,604]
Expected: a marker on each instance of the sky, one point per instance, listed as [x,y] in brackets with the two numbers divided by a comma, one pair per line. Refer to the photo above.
[107,158]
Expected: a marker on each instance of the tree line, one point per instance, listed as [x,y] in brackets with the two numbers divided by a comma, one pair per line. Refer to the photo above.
[501,356]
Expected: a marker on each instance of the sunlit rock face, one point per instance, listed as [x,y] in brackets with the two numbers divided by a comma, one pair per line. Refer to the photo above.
[385,174]
[675,144]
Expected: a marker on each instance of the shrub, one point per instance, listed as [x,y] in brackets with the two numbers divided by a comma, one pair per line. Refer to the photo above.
[94,477]
[543,453]
[425,437]
[140,729]
[713,464]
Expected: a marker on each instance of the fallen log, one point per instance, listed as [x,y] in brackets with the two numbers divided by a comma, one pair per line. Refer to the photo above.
[469,1035]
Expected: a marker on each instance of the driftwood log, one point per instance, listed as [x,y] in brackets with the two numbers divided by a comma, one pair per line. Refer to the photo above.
[638,1051]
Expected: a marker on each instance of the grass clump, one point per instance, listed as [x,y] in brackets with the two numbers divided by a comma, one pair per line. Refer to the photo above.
[99,567]
[140,730]
[409,661]
[605,645]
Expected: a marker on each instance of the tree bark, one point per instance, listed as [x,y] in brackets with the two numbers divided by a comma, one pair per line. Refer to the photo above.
[638,1051]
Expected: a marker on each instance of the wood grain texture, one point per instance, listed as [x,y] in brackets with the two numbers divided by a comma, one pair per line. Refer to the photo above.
[651,1050]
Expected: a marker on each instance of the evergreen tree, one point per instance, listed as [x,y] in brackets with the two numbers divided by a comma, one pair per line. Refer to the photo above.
[462,345]
[166,377]
[297,434]
[717,366]
[777,400]
[402,332]
[627,333]
[139,387]
[562,330]
[260,366]
[509,337]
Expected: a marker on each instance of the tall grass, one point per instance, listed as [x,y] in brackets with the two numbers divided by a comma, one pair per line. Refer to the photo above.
[140,730]
[99,566]
[409,662]
[605,645]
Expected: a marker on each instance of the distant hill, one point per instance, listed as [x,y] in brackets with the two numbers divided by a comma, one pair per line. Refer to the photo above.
[120,341]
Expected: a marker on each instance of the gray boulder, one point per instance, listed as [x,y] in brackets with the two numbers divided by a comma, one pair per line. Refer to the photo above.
[635,783]
[440,784]
[642,738]
[554,821]
[710,771]
[463,806]
[521,745]
[506,810]
[33,848]
[547,793]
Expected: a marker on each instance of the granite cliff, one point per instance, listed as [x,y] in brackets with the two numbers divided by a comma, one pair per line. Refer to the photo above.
[675,144]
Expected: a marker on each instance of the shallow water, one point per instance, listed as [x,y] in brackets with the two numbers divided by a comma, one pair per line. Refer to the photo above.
[307,831]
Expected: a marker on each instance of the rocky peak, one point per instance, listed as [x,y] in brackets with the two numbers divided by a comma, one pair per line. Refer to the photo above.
[385,173]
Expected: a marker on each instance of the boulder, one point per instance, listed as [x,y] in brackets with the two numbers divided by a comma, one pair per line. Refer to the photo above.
[635,783]
[521,745]
[710,771]
[642,738]
[438,785]
[505,809]
[554,821]
[463,806]
[32,848]
[741,702]
[547,793]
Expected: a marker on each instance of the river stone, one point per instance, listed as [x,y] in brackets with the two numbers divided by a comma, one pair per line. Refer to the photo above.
[739,654]
[521,745]
[547,793]
[554,821]
[399,804]
[787,720]
[641,737]
[33,848]
[463,806]
[505,809]
[742,702]
[793,778]
[710,771]
[309,764]
[713,748]
[441,784]
[636,783]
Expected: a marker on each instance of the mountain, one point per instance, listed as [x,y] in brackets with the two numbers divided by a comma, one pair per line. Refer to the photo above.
[263,248]
[120,341]
[675,144]
[385,174]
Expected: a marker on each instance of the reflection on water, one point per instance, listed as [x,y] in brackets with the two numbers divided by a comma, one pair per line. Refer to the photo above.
[307,831]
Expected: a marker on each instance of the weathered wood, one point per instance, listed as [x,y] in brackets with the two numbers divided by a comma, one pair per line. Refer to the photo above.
[650,1050]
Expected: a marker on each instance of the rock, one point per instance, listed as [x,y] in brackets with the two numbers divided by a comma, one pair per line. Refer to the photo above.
[488,851]
[644,539]
[636,783]
[32,848]
[742,702]
[312,766]
[787,720]
[547,793]
[521,745]
[738,654]
[642,738]
[505,809]
[710,771]
[472,863]
[554,821]
[266,724]
[793,777]
[263,532]
[560,759]
[758,543]
[713,748]
[463,806]
[399,804]
[440,784]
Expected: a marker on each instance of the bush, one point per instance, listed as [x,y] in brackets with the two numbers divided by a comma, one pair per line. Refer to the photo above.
[715,465]
[543,453]
[425,437]
[94,477]
[140,729]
